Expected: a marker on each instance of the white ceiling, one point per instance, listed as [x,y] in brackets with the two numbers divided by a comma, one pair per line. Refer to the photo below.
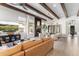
[56,8]
[72,8]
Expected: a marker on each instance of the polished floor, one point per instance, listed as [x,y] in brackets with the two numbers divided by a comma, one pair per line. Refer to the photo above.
[65,47]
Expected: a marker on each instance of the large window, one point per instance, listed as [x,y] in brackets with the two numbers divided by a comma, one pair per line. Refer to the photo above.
[56,29]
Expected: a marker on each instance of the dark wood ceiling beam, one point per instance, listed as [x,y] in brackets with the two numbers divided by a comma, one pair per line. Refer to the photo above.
[14,8]
[38,11]
[47,8]
[64,9]
[78,13]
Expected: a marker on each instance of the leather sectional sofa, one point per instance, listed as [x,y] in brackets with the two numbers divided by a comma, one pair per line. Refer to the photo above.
[30,48]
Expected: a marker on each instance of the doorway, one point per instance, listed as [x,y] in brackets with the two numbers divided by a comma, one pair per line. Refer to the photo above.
[72,30]
[37,26]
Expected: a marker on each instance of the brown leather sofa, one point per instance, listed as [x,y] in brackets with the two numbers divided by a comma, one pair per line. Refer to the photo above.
[30,48]
[40,49]
[10,51]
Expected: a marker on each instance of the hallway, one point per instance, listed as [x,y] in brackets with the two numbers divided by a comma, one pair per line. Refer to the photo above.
[66,47]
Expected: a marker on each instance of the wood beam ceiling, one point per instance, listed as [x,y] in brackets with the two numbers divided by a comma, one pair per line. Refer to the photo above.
[47,8]
[14,8]
[64,9]
[37,11]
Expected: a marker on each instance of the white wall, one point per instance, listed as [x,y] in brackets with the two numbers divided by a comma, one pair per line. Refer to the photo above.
[62,23]
[75,23]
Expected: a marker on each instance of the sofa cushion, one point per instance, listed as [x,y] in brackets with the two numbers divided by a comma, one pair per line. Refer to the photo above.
[31,43]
